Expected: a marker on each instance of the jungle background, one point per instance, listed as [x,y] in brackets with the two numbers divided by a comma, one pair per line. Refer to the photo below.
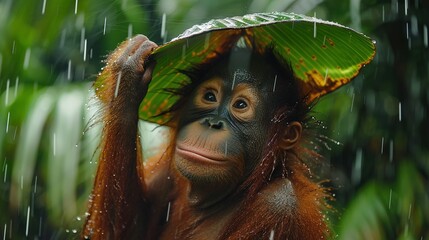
[376,128]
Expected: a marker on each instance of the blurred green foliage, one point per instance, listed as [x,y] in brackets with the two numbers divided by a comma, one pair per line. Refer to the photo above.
[50,51]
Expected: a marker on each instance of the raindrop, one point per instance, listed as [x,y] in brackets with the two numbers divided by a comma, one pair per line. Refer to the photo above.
[5,173]
[28,221]
[16,86]
[90,53]
[13,47]
[356,174]
[383,14]
[69,70]
[168,211]
[390,198]
[400,111]
[74,231]
[314,32]
[353,100]
[207,41]
[82,39]
[226,148]
[118,81]
[7,122]
[75,7]
[4,231]
[35,184]
[104,27]
[130,30]
[43,7]
[414,26]
[425,35]
[84,50]
[272,234]
[395,5]
[275,83]
[163,21]
[40,226]
[27,58]
[78,218]
[382,145]
[406,7]
[233,80]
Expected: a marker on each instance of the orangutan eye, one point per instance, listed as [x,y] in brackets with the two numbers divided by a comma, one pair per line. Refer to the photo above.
[240,104]
[210,97]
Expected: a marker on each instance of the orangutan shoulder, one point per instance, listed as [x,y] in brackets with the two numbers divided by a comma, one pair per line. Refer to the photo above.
[279,197]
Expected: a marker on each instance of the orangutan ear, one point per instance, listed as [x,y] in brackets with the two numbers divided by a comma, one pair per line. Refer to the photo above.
[291,136]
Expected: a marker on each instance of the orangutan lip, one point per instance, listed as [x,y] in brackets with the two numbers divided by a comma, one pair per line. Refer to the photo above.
[191,154]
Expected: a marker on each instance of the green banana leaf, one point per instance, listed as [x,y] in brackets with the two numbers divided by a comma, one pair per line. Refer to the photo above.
[324,55]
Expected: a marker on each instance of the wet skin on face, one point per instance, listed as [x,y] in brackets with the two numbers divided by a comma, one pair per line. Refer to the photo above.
[224,126]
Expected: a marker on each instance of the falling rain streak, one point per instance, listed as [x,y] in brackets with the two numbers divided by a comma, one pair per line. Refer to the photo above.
[233,81]
[353,100]
[35,184]
[104,26]
[314,32]
[75,7]
[27,58]
[207,41]
[168,212]
[5,173]
[272,234]
[82,39]
[382,145]
[226,148]
[15,93]
[69,70]
[118,81]
[84,50]
[406,7]
[28,221]
[400,111]
[43,7]
[275,83]
[7,122]
[390,198]
[163,21]
[130,30]
[425,35]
